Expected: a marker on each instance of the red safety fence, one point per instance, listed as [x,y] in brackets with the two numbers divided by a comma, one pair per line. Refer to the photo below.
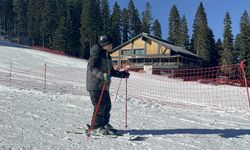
[223,87]
[220,88]
[45,49]
[45,78]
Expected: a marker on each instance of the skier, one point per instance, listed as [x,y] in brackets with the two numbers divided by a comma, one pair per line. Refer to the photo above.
[99,71]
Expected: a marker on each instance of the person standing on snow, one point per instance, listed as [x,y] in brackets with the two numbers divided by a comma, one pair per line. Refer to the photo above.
[99,71]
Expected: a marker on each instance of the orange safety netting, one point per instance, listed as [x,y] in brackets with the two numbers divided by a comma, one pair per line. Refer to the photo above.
[222,87]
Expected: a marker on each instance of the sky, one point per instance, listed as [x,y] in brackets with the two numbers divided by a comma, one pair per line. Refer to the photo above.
[215,10]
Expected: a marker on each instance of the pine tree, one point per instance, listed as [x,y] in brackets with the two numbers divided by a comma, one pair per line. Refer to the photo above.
[51,13]
[67,35]
[73,23]
[7,17]
[174,26]
[2,17]
[34,21]
[184,38]
[19,7]
[87,36]
[116,25]
[25,8]
[213,50]
[90,25]
[125,25]
[237,49]
[245,35]
[45,22]
[157,29]
[61,35]
[96,20]
[219,47]
[227,53]
[200,37]
[58,10]
[2,14]
[134,20]
[146,19]
[106,18]
[245,40]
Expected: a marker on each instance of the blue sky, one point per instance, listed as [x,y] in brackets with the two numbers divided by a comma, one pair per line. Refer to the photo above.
[215,10]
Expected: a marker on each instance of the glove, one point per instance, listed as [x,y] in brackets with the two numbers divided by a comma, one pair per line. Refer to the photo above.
[125,74]
[107,77]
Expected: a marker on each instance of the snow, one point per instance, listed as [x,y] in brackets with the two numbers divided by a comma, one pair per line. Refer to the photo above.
[33,119]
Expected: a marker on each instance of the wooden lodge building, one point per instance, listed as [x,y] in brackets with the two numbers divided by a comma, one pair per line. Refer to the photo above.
[146,50]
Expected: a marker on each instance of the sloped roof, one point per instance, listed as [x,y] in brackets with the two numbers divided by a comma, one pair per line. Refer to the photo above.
[165,43]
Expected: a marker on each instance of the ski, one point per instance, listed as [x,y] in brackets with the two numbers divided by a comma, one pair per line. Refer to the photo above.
[118,135]
[74,132]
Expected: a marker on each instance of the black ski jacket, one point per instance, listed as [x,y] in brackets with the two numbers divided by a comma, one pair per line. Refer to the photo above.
[99,63]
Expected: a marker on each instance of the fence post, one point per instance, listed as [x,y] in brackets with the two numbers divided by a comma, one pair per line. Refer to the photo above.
[10,73]
[242,66]
[126,105]
[45,77]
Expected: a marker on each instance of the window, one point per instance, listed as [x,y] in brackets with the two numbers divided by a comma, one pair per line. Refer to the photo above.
[139,52]
[148,61]
[140,60]
[156,60]
[126,52]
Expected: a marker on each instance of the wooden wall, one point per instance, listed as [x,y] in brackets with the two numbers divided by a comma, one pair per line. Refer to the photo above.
[127,47]
[115,54]
[152,48]
[139,44]
[164,49]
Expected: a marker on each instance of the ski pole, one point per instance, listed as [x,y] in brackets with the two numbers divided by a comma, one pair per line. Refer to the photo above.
[126,105]
[97,107]
[118,90]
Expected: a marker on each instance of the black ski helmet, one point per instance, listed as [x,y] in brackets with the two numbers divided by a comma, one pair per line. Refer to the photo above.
[105,40]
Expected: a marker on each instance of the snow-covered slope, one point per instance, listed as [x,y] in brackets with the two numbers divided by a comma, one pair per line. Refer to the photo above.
[31,119]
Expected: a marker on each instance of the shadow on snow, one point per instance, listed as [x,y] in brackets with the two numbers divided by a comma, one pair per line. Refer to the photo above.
[8,44]
[225,133]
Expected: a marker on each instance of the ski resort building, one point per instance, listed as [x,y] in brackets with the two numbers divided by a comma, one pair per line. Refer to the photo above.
[146,50]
